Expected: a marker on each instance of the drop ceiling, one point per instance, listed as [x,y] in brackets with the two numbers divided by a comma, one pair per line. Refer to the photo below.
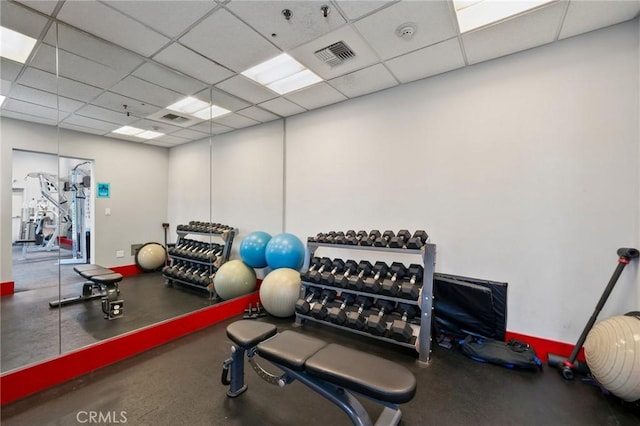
[123,62]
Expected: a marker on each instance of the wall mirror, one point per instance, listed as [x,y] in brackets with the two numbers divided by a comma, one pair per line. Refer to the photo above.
[198,172]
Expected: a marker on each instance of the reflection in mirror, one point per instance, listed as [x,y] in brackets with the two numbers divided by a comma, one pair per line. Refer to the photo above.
[226,169]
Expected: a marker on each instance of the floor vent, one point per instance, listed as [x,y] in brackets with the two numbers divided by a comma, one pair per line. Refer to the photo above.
[335,54]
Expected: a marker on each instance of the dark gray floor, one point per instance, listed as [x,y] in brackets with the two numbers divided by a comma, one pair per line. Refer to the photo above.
[31,331]
[179,384]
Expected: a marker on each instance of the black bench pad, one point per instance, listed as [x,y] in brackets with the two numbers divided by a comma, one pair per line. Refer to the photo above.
[290,349]
[111,278]
[364,373]
[87,267]
[247,334]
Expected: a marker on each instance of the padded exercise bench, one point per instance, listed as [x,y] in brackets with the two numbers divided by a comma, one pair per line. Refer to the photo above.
[335,372]
[103,283]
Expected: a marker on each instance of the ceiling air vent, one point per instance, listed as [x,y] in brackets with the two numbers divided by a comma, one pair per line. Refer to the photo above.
[335,54]
[174,118]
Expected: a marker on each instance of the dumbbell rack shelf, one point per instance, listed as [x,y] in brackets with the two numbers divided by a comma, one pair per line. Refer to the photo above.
[427,254]
[226,236]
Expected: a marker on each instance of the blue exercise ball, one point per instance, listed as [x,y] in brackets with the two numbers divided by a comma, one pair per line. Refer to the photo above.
[253,247]
[285,251]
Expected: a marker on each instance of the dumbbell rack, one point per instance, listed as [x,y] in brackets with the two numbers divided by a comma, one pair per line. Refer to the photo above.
[422,343]
[226,236]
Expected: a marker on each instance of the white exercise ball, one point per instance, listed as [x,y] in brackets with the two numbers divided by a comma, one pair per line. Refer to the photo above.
[233,279]
[279,292]
[151,257]
[612,351]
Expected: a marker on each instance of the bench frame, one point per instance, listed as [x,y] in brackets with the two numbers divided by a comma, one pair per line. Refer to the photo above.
[338,395]
[112,306]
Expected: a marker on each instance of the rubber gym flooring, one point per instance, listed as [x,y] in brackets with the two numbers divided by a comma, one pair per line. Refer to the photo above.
[179,384]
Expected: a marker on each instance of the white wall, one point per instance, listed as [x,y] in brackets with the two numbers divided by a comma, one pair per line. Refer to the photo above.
[246,181]
[137,174]
[522,169]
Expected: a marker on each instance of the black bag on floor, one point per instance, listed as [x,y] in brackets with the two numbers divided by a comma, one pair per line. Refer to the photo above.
[512,354]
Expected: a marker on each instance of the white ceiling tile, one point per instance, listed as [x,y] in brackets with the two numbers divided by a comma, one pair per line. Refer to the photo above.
[26,117]
[169,140]
[39,79]
[5,87]
[368,80]
[182,59]
[30,109]
[316,96]
[157,126]
[433,22]
[258,114]
[43,98]
[364,56]
[190,134]
[44,6]
[9,70]
[236,121]
[225,39]
[167,17]
[92,48]
[21,19]
[146,92]
[116,103]
[111,25]
[227,101]
[212,128]
[75,90]
[169,79]
[105,114]
[75,67]
[244,88]
[354,9]
[432,60]
[282,107]
[306,23]
[125,137]
[91,123]
[588,15]
[71,126]
[513,35]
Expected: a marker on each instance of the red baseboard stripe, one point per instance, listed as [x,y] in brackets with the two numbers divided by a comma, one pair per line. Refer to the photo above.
[7,288]
[544,347]
[21,382]
[127,270]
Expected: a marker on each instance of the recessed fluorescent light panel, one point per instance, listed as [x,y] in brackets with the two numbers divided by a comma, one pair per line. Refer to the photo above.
[197,108]
[474,14]
[15,46]
[282,74]
[139,133]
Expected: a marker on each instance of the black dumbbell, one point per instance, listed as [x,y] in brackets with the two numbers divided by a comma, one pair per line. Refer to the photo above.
[383,241]
[401,330]
[303,306]
[330,237]
[377,323]
[350,268]
[371,238]
[418,239]
[319,310]
[401,238]
[316,275]
[354,239]
[372,283]
[314,264]
[356,282]
[328,278]
[390,286]
[339,238]
[337,314]
[355,319]
[410,289]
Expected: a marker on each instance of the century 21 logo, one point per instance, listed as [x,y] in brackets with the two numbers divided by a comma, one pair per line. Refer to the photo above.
[108,417]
